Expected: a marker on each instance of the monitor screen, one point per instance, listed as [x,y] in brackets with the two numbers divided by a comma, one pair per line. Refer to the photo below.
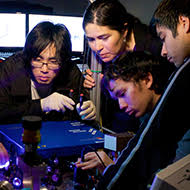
[12,29]
[73,24]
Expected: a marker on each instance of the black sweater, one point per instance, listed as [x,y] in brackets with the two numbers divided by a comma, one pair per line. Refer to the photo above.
[15,91]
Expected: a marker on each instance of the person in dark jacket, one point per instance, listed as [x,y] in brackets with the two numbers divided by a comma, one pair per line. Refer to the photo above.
[137,80]
[154,145]
[42,80]
[173,28]
[111,31]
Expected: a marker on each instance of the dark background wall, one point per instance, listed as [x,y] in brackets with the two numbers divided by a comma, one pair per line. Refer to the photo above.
[141,9]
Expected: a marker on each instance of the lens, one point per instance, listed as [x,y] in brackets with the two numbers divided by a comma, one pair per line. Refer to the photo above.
[31,122]
[17,182]
[31,133]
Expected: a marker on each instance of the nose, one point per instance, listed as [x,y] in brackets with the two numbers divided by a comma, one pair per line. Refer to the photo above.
[122,103]
[99,45]
[164,51]
[44,67]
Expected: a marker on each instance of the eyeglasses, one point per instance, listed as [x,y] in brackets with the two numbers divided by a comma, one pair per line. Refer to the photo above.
[52,65]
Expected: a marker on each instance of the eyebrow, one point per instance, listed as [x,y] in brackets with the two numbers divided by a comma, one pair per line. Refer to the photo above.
[99,36]
[115,91]
[52,58]
[49,58]
[103,35]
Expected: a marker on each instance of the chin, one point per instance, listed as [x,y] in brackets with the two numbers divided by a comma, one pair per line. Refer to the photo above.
[43,82]
[107,59]
[137,115]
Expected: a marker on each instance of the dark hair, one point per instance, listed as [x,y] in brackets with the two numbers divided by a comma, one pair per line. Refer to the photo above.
[110,13]
[46,33]
[168,12]
[134,66]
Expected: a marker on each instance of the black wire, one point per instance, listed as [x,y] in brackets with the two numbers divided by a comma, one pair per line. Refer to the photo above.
[82,158]
[98,156]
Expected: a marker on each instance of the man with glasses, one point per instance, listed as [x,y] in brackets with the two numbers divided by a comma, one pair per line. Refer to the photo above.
[42,80]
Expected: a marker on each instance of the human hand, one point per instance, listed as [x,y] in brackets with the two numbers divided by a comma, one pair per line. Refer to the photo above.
[91,160]
[4,157]
[87,111]
[89,82]
[57,102]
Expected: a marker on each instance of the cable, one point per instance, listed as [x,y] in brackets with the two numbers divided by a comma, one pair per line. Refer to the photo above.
[98,156]
[100,159]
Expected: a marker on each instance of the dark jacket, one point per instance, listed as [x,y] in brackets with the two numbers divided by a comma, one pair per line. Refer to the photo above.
[112,117]
[159,141]
[15,90]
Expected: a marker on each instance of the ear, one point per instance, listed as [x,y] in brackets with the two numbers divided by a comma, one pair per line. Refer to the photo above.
[125,30]
[185,23]
[149,80]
